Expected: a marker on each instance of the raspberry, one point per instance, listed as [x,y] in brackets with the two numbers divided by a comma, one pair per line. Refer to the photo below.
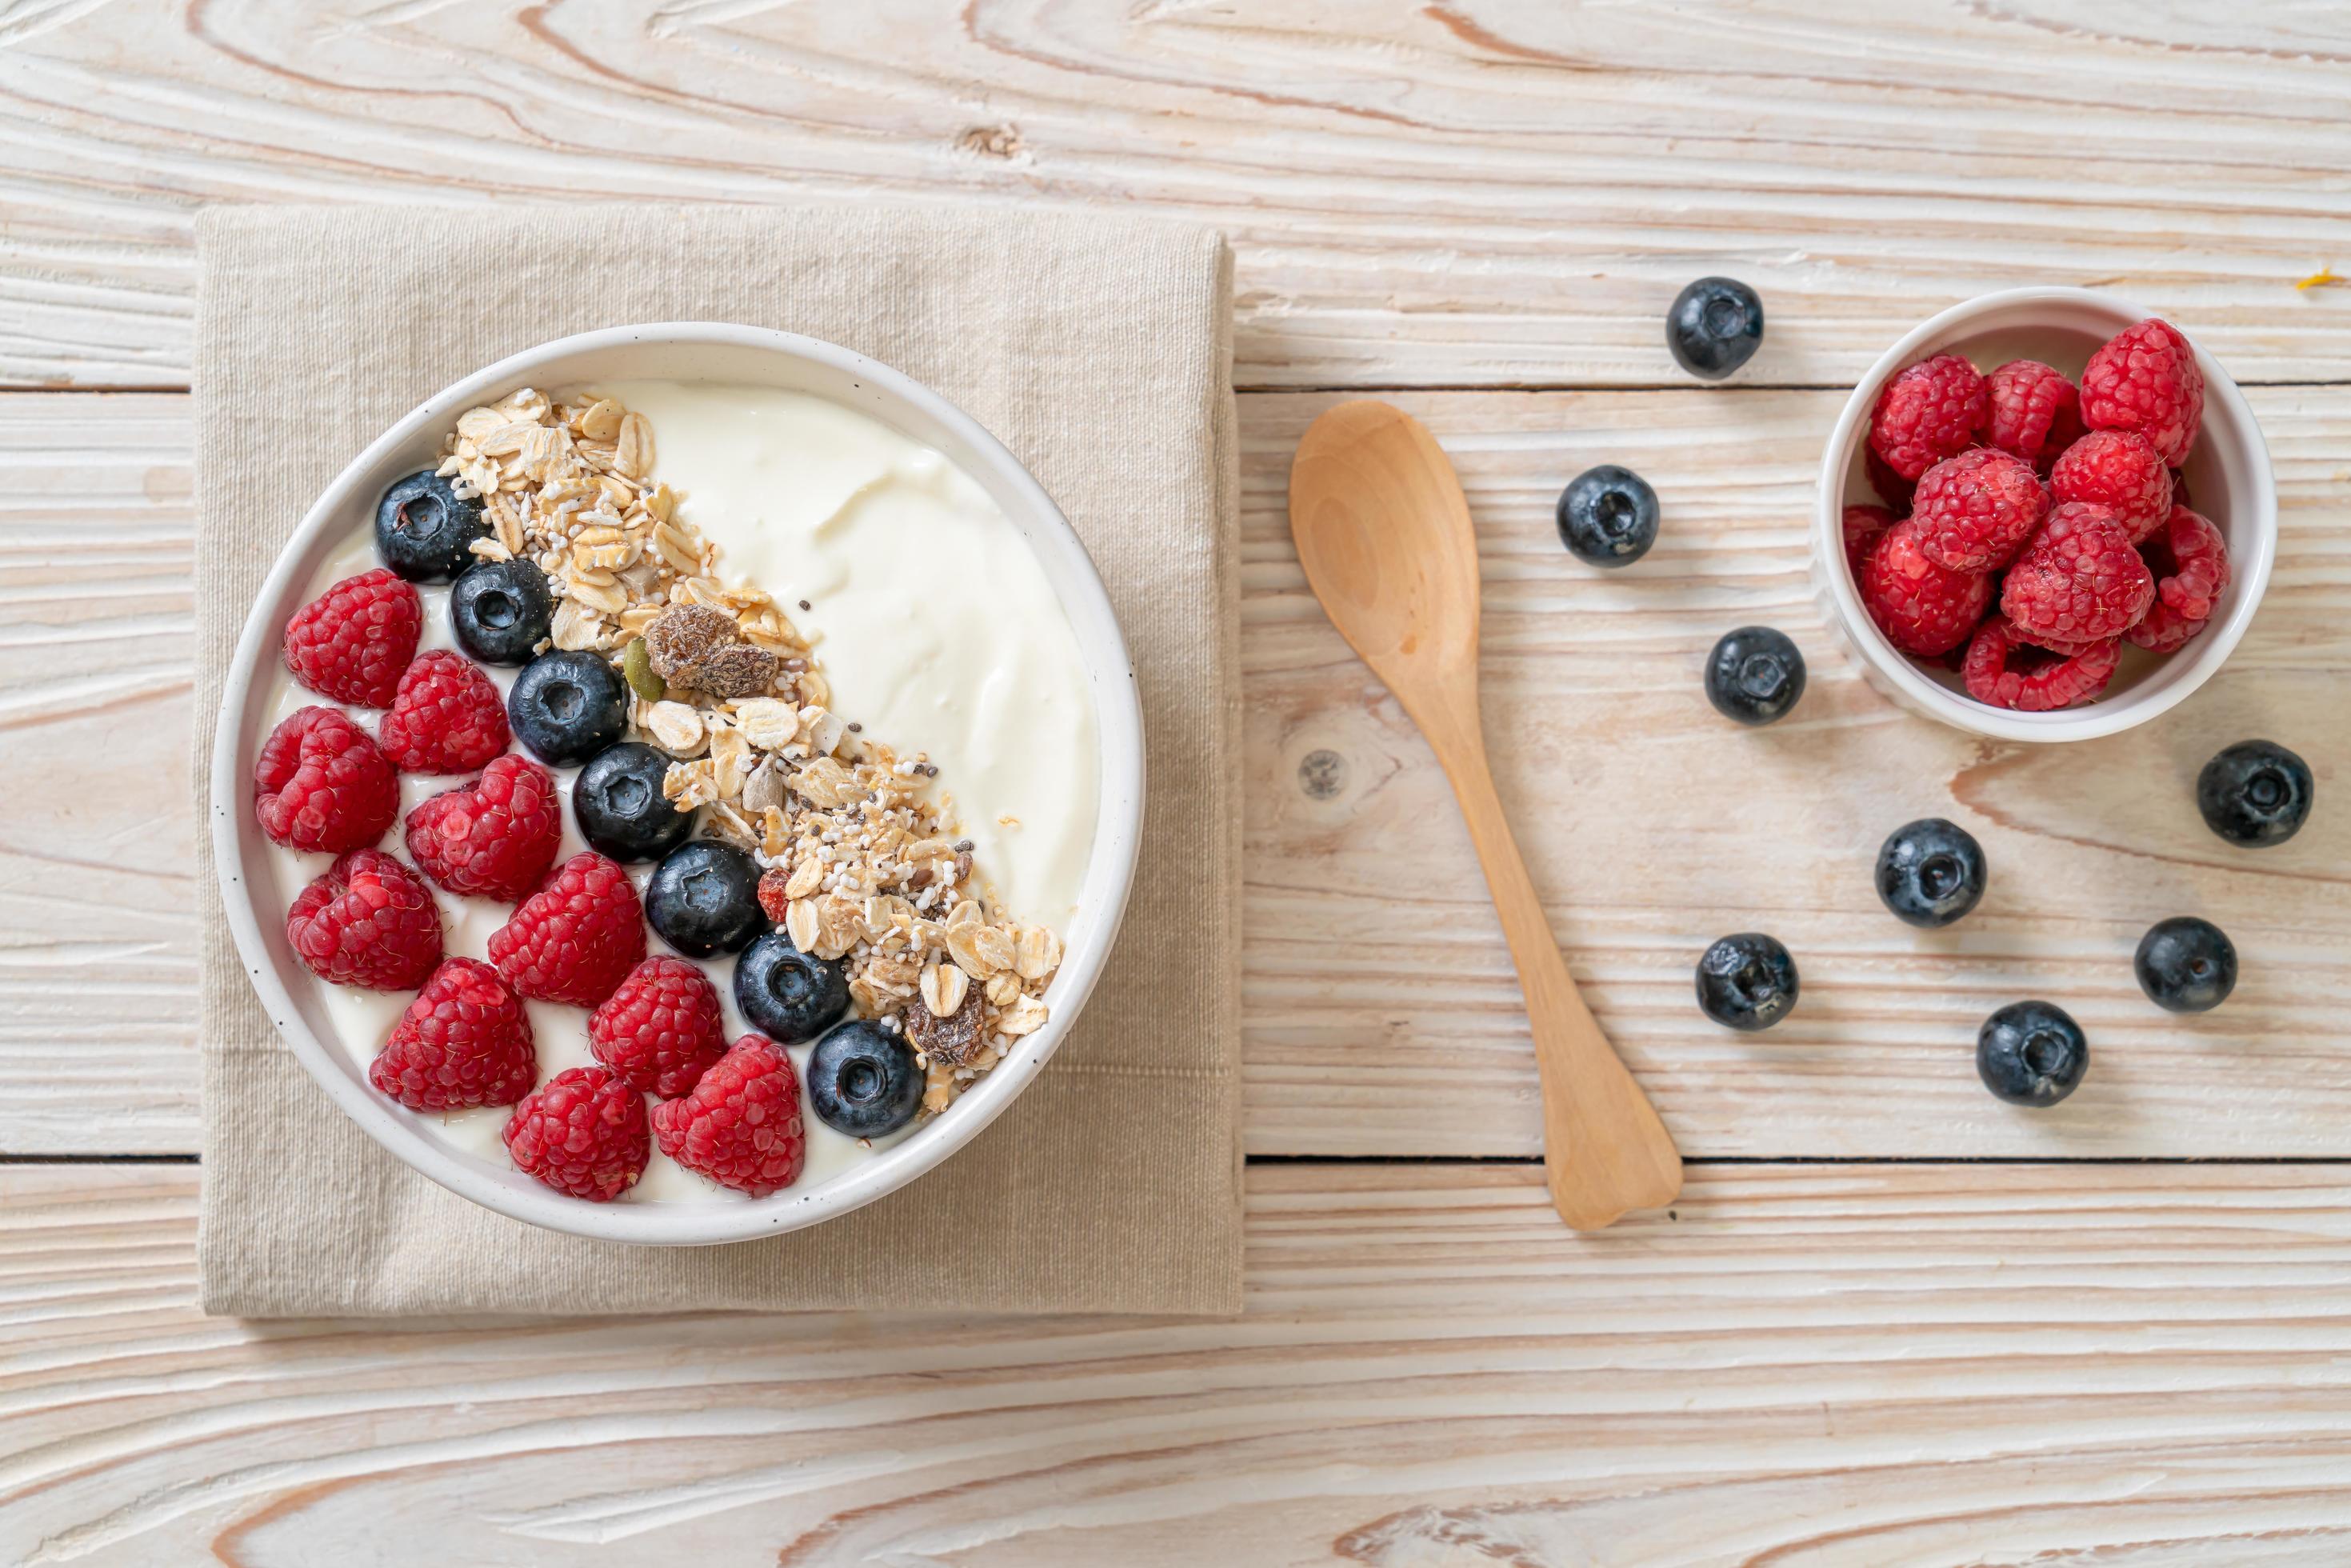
[1975,511]
[1862,527]
[2146,379]
[741,1124]
[1926,413]
[2189,561]
[447,717]
[661,1029]
[575,938]
[2006,671]
[2031,412]
[321,784]
[1923,608]
[2079,580]
[369,921]
[583,1134]
[463,1042]
[774,902]
[2120,471]
[352,642]
[492,839]
[1891,487]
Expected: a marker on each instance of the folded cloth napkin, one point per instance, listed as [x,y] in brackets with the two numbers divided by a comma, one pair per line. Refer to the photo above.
[1100,350]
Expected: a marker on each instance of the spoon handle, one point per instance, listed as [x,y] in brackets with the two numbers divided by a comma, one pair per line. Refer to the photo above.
[1605,1151]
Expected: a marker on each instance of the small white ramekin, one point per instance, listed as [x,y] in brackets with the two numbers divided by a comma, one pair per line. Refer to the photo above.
[705,351]
[2228,480]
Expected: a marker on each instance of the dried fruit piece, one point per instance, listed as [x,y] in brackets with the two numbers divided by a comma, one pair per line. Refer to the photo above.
[699,646]
[954,1039]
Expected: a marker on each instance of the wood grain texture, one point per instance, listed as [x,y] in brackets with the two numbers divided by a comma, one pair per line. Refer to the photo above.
[1381,1012]
[1468,192]
[1817,1365]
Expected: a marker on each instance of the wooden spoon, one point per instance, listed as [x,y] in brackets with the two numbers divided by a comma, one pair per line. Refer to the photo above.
[1385,535]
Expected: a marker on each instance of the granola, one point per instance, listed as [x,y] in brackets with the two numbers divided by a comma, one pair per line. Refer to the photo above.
[874,875]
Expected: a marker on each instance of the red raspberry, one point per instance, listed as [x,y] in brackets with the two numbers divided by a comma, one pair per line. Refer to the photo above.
[495,837]
[1923,608]
[1926,413]
[2031,412]
[447,717]
[1975,511]
[321,784]
[575,938]
[2079,580]
[2189,560]
[2146,379]
[1891,487]
[2006,671]
[370,921]
[352,642]
[662,1029]
[582,1133]
[2118,470]
[741,1124]
[1862,527]
[463,1042]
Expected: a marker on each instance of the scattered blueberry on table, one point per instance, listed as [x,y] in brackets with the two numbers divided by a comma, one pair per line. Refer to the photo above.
[788,995]
[704,898]
[1608,516]
[1715,325]
[424,530]
[1746,981]
[2186,965]
[1754,674]
[1930,872]
[2031,1053]
[568,707]
[618,802]
[501,610]
[2255,793]
[863,1081]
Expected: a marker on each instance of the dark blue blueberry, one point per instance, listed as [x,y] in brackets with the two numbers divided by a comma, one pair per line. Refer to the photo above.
[2256,793]
[568,707]
[2031,1053]
[1755,674]
[424,531]
[1715,327]
[863,1081]
[788,995]
[500,611]
[618,802]
[704,898]
[2186,965]
[1746,981]
[1608,516]
[1931,871]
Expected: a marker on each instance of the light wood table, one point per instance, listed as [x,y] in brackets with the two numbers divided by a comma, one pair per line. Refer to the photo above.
[1891,1320]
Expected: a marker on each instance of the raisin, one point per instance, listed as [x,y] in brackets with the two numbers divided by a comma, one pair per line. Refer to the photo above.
[696,646]
[954,1039]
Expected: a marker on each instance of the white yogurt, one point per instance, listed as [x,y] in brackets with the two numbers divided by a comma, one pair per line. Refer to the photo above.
[965,656]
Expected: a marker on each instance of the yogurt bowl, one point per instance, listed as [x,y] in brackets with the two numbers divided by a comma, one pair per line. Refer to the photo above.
[836,401]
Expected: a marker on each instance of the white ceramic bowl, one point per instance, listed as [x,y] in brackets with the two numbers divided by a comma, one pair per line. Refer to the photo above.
[689,351]
[2228,475]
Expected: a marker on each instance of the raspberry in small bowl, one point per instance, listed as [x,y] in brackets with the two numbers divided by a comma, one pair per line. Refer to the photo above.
[2149,420]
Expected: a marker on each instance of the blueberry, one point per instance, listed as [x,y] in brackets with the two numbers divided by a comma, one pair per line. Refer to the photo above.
[1931,871]
[2255,793]
[1608,516]
[863,1081]
[501,610]
[704,898]
[566,707]
[1746,981]
[2186,965]
[2031,1053]
[424,530]
[1755,674]
[1715,327]
[618,802]
[787,994]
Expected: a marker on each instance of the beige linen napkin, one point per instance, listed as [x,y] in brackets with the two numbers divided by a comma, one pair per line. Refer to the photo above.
[1099,349]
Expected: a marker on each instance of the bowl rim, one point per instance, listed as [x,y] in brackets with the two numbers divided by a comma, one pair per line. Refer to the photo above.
[1117,830]
[1883,661]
